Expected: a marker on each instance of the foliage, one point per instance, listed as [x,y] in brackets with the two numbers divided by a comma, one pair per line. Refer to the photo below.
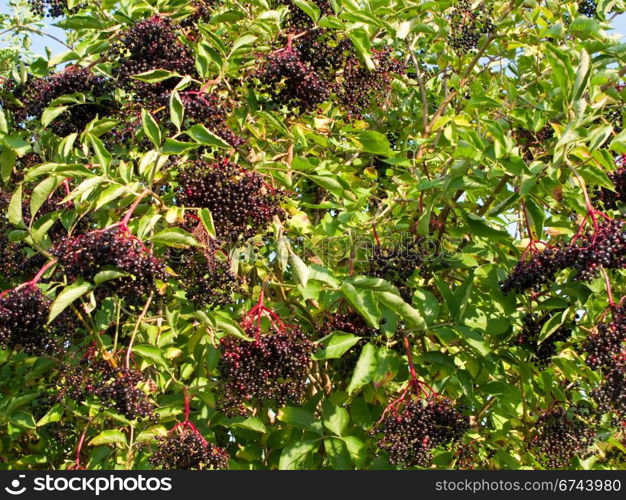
[313,234]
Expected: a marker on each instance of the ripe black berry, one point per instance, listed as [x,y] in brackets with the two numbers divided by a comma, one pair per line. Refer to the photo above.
[241,202]
[613,199]
[559,436]
[468,25]
[411,434]
[530,334]
[185,449]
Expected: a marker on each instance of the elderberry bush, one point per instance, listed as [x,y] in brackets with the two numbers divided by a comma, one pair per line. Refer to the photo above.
[115,387]
[241,202]
[410,435]
[270,369]
[560,436]
[186,449]
[89,253]
[611,395]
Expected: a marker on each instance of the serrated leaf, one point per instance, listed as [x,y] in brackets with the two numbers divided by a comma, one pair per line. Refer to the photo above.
[50,114]
[108,437]
[67,297]
[207,221]
[14,211]
[364,370]
[300,269]
[203,135]
[293,456]
[298,417]
[151,353]
[155,75]
[409,315]
[174,237]
[151,128]
[42,192]
[363,301]
[177,110]
[336,345]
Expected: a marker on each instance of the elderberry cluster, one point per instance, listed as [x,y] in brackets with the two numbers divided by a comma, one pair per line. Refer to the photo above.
[298,20]
[561,435]
[150,44]
[409,436]
[30,99]
[587,8]
[200,12]
[611,395]
[241,203]
[272,368]
[532,144]
[206,276]
[397,265]
[605,345]
[115,387]
[361,86]
[605,247]
[611,200]
[88,254]
[23,323]
[291,81]
[530,335]
[186,449]
[468,25]
[51,8]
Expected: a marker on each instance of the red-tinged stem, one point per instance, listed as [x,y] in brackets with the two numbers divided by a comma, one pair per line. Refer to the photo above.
[409,356]
[35,280]
[193,216]
[79,446]
[376,235]
[527,222]
[131,209]
[187,408]
[607,284]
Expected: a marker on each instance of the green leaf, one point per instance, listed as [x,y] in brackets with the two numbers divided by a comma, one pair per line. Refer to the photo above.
[363,301]
[177,110]
[151,353]
[174,147]
[364,370]
[7,162]
[409,315]
[311,10]
[174,237]
[375,142]
[49,114]
[300,269]
[336,345]
[42,192]
[338,454]
[104,157]
[151,128]
[552,325]
[109,437]
[108,275]
[582,76]
[294,456]
[299,417]
[14,210]
[252,424]
[203,135]
[207,221]
[336,419]
[67,297]
[155,75]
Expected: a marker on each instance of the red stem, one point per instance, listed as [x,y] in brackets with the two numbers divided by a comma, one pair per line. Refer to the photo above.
[409,356]
[376,235]
[131,209]
[187,410]
[607,283]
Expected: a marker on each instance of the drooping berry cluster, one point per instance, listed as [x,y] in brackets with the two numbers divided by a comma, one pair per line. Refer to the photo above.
[186,449]
[51,8]
[241,202]
[411,434]
[611,200]
[298,20]
[291,81]
[324,51]
[36,94]
[531,333]
[611,395]
[88,254]
[206,275]
[605,248]
[468,25]
[560,435]
[587,8]
[271,369]
[200,12]
[150,44]
[348,322]
[397,264]
[607,344]
[361,87]
[23,323]
[115,387]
